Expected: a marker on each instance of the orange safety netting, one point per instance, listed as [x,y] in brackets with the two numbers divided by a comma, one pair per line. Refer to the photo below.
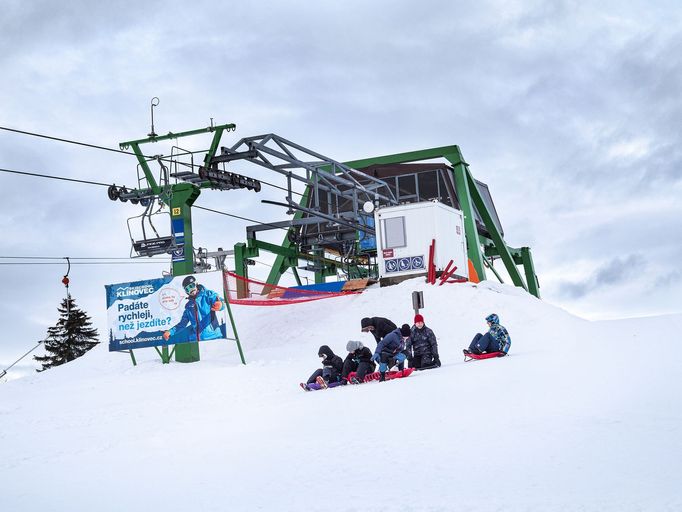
[256,293]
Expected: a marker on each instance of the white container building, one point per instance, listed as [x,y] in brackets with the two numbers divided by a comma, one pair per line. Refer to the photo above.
[404,234]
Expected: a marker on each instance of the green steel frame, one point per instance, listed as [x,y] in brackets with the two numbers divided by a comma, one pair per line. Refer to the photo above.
[180,198]
[478,248]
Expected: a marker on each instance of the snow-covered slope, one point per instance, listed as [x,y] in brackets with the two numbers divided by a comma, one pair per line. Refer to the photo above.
[581,416]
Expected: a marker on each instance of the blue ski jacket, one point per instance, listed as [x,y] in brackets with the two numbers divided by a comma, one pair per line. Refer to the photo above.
[392,342]
[501,337]
[199,317]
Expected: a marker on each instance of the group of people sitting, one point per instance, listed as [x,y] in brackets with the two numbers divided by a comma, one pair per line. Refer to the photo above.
[417,345]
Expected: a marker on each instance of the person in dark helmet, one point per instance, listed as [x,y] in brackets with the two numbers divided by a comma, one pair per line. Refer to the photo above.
[199,319]
[332,365]
[422,347]
[378,326]
[497,338]
[358,360]
[390,350]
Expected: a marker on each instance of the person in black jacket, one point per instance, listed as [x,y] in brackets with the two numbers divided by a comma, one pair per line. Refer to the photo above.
[378,326]
[359,360]
[422,347]
[332,366]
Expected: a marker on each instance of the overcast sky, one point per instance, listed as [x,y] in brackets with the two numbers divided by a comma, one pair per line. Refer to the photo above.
[569,111]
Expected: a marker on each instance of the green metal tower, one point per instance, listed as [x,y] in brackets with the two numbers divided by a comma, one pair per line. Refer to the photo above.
[179,198]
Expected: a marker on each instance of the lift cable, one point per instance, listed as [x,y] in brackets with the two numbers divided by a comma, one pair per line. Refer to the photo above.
[62,257]
[37,175]
[68,141]
[104,148]
[241,218]
[86,263]
[108,185]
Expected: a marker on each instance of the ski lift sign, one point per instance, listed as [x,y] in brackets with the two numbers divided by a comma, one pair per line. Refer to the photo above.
[404,264]
[166,311]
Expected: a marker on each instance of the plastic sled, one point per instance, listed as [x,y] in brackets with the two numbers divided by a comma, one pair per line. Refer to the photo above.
[389,375]
[487,355]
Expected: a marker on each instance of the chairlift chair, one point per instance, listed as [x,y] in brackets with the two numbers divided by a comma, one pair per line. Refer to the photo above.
[151,246]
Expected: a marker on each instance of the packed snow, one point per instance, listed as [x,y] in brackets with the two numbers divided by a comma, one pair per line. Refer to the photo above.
[582,416]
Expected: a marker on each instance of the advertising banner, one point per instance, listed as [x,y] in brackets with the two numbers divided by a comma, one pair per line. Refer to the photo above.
[166,311]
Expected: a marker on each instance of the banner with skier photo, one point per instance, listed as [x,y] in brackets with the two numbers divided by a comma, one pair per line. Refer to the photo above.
[166,311]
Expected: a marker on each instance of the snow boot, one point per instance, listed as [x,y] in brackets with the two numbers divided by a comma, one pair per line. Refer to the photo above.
[382,378]
[305,387]
[322,382]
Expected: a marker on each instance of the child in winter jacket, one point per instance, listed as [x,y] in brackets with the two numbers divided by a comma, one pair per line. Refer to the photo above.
[390,349]
[422,347]
[358,360]
[332,366]
[497,339]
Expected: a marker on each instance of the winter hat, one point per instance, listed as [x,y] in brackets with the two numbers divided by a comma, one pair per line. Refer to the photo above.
[405,330]
[353,345]
[493,319]
[365,322]
[418,318]
[325,351]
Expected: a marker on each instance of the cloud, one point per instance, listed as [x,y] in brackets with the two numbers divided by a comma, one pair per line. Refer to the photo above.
[610,274]
[669,280]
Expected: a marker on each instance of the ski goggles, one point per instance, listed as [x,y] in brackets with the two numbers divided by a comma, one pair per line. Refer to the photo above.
[190,287]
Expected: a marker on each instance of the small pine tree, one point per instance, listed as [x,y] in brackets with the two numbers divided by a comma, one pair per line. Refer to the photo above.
[72,337]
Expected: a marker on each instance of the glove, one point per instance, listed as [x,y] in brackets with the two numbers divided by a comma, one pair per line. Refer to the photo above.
[376,357]
[166,335]
[436,361]
[217,306]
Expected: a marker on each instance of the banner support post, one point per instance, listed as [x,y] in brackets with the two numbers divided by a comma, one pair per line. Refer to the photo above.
[220,256]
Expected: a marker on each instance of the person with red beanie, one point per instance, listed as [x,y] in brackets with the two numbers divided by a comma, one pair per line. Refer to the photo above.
[422,347]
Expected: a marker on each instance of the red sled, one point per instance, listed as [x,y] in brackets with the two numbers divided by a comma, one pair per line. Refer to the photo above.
[469,356]
[390,375]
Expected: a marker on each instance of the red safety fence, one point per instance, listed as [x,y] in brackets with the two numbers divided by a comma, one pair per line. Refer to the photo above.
[250,292]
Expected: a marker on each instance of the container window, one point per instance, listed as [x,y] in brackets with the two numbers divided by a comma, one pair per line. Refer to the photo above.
[394,233]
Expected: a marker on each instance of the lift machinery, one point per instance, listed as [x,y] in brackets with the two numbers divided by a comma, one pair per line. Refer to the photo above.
[328,224]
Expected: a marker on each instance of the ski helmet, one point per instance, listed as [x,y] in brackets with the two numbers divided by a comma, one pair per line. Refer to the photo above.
[189,283]
[493,319]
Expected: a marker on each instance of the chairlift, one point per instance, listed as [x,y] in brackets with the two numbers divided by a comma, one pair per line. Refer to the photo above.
[151,245]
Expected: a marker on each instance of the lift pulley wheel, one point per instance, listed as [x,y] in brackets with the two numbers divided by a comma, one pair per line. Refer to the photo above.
[113,192]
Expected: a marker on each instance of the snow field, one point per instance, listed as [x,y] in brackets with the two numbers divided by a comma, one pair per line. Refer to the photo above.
[578,417]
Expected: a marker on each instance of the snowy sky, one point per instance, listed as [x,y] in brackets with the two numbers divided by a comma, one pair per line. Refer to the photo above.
[569,111]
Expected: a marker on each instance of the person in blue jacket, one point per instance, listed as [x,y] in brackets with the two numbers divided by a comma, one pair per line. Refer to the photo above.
[390,349]
[199,319]
[497,339]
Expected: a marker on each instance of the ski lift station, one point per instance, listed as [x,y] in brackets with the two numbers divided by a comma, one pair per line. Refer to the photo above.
[382,218]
